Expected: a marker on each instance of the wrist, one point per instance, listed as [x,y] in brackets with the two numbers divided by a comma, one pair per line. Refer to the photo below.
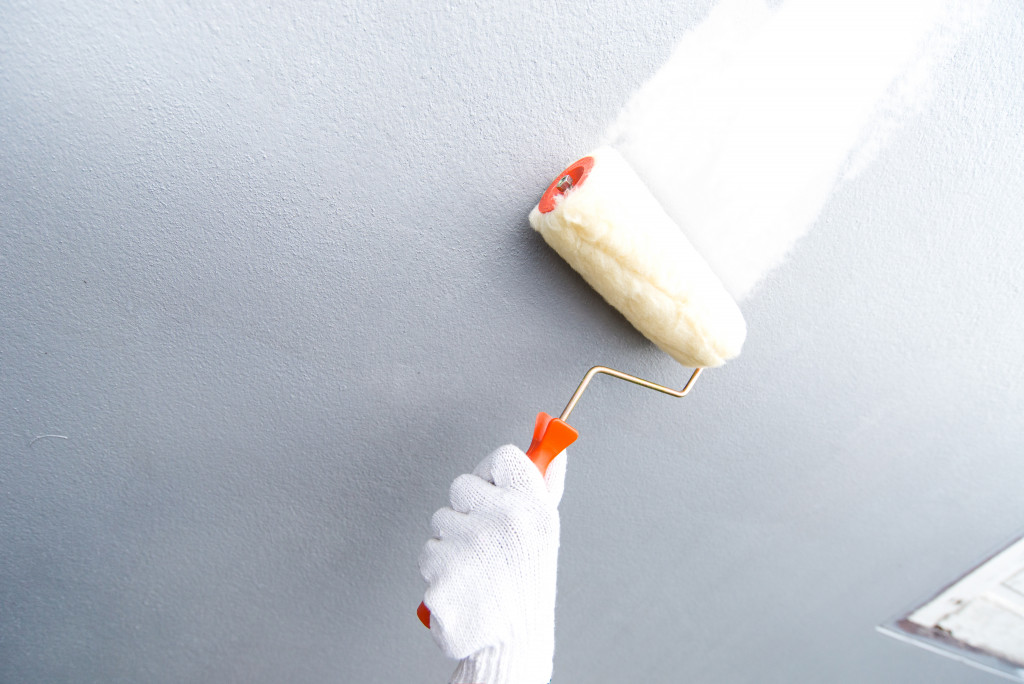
[507,664]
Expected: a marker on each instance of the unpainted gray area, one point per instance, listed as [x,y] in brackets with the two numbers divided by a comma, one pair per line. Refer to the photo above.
[267,287]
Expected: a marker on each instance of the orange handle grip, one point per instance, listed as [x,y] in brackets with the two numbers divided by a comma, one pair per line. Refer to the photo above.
[550,437]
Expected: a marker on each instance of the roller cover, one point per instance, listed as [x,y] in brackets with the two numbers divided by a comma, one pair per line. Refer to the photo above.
[616,235]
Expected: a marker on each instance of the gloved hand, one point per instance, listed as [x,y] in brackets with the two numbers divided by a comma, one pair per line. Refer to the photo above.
[491,569]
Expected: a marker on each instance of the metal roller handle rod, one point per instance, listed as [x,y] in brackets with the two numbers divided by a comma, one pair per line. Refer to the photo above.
[628,378]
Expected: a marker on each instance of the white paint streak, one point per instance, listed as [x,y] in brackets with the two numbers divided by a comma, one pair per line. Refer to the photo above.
[744,132]
[39,437]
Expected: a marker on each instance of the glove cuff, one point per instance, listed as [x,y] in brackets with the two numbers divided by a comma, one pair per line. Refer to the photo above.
[504,665]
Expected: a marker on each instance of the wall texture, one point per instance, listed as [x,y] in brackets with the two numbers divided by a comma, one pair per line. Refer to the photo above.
[267,286]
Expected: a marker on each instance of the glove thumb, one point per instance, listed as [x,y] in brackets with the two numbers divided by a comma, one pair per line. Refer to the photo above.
[508,466]
[554,478]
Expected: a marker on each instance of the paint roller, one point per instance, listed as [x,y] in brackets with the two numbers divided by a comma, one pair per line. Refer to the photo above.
[601,218]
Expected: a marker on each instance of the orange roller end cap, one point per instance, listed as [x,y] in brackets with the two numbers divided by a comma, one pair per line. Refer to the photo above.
[423,613]
[571,178]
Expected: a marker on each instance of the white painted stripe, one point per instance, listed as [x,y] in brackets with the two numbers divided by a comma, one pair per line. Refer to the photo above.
[744,132]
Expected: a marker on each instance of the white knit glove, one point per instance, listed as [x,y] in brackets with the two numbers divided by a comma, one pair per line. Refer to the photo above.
[491,569]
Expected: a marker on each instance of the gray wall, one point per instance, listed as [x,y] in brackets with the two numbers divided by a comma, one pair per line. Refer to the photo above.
[265,271]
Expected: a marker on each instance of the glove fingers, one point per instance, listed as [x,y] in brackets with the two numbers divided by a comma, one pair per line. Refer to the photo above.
[471,493]
[431,560]
[511,468]
[447,523]
[484,467]
[458,629]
